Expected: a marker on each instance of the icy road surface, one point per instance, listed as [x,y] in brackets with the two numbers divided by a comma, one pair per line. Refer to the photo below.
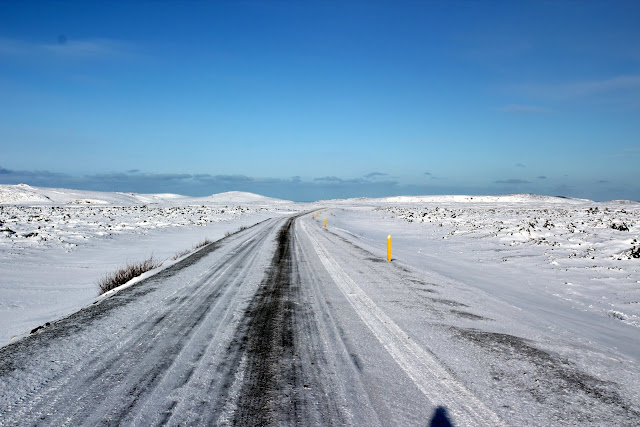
[288,322]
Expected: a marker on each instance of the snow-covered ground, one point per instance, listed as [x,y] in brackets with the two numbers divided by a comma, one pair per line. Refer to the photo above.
[56,244]
[530,303]
[573,261]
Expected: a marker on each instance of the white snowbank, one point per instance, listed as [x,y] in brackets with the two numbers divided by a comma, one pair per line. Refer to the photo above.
[576,263]
[24,194]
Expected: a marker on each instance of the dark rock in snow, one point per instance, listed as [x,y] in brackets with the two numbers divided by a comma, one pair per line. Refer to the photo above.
[620,227]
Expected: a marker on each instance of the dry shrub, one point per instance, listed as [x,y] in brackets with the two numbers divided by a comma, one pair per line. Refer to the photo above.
[205,242]
[181,254]
[126,273]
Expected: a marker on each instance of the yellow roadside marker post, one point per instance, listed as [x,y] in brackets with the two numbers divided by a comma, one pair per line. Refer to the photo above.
[325,222]
[389,247]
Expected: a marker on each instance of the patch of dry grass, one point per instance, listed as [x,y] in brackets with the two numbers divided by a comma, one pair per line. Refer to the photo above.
[242,228]
[181,254]
[126,273]
[204,243]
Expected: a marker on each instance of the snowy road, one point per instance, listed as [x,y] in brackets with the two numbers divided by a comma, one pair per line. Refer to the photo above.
[288,322]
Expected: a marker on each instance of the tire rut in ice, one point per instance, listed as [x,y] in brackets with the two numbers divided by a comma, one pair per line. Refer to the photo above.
[552,378]
[269,341]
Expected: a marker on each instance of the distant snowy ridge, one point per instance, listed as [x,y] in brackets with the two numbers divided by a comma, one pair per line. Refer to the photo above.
[507,198]
[242,197]
[22,194]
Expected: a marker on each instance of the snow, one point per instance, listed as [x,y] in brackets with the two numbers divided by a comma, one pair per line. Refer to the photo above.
[575,255]
[509,198]
[562,261]
[428,375]
[55,244]
[555,279]
[243,197]
[530,357]
[27,195]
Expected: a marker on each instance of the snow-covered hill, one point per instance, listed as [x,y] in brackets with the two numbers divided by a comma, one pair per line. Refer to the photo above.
[241,197]
[462,199]
[23,194]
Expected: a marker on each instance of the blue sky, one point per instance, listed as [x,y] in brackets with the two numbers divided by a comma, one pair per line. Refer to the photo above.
[316,100]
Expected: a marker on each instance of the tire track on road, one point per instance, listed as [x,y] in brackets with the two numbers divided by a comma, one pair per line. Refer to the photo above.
[135,375]
[280,358]
[431,378]
[269,339]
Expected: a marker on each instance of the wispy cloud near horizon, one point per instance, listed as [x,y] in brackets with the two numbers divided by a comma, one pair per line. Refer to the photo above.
[96,48]
[134,180]
[373,175]
[292,188]
[578,89]
[512,181]
[524,109]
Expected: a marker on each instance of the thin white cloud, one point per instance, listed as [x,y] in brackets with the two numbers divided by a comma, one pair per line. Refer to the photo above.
[374,175]
[512,181]
[524,109]
[87,48]
[624,153]
[79,49]
[630,82]
[582,88]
